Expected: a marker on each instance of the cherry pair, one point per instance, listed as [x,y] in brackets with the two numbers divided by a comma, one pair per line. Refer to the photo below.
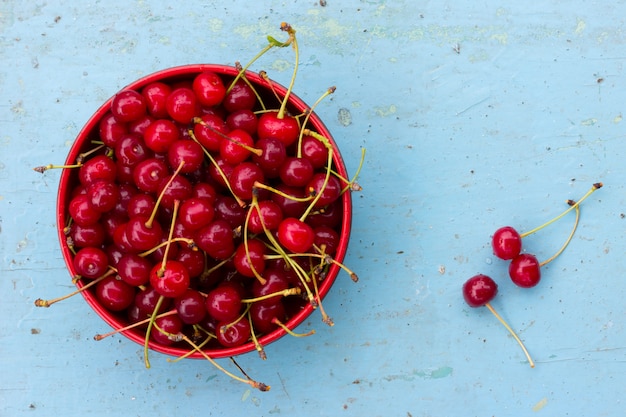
[524,269]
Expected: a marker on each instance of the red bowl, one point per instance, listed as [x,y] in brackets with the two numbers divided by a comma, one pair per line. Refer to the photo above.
[69,179]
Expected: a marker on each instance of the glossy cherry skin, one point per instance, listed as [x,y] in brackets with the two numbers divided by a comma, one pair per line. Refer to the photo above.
[191,307]
[243,119]
[479,290]
[240,97]
[165,329]
[265,215]
[114,294]
[186,151]
[285,129]
[182,105]
[525,270]
[160,135]
[263,316]
[131,149]
[209,88]
[295,235]
[91,262]
[100,167]
[216,239]
[84,236]
[506,243]
[134,269]
[275,281]
[111,130]
[128,105]
[223,303]
[315,151]
[329,191]
[172,281]
[155,95]
[249,258]
[149,173]
[233,334]
[196,213]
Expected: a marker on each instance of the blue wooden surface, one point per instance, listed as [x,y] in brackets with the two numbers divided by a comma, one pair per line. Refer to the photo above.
[474,115]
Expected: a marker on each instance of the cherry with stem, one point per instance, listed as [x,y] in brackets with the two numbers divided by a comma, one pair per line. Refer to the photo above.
[478,291]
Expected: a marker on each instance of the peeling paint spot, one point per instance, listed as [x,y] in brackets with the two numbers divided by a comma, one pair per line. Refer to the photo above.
[542,403]
[281,65]
[580,27]
[589,122]
[386,111]
[344,116]
[617,118]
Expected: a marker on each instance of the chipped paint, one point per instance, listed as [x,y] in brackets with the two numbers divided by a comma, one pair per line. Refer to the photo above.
[540,404]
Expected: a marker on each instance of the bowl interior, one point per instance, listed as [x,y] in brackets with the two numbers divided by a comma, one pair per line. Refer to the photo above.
[69,180]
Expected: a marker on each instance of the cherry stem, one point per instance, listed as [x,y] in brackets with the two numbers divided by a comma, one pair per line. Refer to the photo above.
[219,169]
[47,303]
[505,324]
[594,187]
[161,194]
[328,92]
[257,345]
[272,43]
[253,205]
[318,195]
[149,329]
[99,337]
[262,387]
[257,152]
[169,237]
[289,331]
[569,238]
[286,27]
[188,241]
[258,385]
[186,355]
[44,168]
[282,293]
[280,193]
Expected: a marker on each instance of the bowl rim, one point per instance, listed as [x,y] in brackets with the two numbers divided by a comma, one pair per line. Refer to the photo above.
[185,72]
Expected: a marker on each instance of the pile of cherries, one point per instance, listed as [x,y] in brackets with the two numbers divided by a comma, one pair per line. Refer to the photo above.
[204,213]
[524,268]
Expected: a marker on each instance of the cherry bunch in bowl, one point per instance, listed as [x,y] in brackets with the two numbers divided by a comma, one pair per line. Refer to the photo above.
[524,268]
[206,212]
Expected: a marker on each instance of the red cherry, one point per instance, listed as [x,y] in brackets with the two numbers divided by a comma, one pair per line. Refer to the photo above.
[91,262]
[330,191]
[131,149]
[191,307]
[232,150]
[250,258]
[182,105]
[525,270]
[233,334]
[186,151]
[240,97]
[216,239]
[295,235]
[243,119]
[286,129]
[267,210]
[224,303]
[506,243]
[210,133]
[100,167]
[196,213]
[479,290]
[155,95]
[128,105]
[111,130]
[263,316]
[134,269]
[172,281]
[209,88]
[114,294]
[160,135]
[165,328]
